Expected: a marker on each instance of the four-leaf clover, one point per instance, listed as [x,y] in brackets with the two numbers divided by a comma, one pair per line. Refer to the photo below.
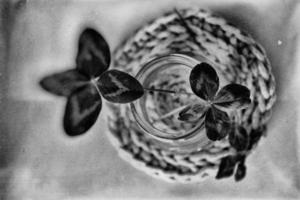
[213,105]
[84,85]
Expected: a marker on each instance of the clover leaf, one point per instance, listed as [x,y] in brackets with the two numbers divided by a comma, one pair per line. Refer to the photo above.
[240,171]
[84,85]
[230,165]
[239,138]
[204,83]
[227,167]
[119,87]
[93,56]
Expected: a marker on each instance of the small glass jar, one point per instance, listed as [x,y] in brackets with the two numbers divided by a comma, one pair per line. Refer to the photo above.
[167,92]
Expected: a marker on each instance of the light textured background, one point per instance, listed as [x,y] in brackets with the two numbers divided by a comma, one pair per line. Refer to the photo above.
[38,162]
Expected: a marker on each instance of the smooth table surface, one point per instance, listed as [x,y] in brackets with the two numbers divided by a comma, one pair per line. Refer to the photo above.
[39,162]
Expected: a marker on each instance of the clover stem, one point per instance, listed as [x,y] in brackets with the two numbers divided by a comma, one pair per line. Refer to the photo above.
[176,110]
[167,91]
[169,114]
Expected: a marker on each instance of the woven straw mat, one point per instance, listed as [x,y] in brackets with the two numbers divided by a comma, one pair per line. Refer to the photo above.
[240,59]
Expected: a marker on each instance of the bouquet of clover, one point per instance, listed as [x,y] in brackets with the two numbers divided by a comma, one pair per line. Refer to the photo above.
[91,80]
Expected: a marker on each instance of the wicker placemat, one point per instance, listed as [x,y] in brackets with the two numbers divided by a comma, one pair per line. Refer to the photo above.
[238,57]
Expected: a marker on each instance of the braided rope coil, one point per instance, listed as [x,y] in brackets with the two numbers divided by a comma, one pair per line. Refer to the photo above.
[237,56]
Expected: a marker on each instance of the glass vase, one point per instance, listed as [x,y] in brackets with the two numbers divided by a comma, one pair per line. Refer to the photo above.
[167,92]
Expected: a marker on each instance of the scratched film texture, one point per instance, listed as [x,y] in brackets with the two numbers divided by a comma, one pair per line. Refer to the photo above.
[38,162]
